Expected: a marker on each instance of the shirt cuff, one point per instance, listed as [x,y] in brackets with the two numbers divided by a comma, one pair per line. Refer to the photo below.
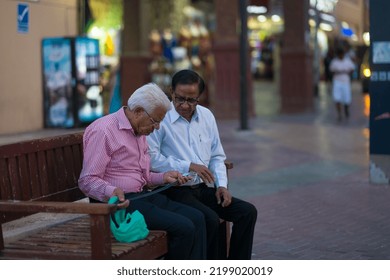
[157,178]
[185,167]
[108,192]
[221,183]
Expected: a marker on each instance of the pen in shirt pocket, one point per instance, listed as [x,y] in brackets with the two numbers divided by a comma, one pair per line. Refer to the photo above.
[200,138]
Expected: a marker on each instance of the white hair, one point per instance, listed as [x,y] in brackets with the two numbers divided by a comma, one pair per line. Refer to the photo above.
[149,97]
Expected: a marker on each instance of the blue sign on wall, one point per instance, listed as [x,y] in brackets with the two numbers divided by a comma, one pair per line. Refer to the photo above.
[23,16]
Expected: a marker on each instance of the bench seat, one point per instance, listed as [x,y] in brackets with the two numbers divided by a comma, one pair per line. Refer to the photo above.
[72,240]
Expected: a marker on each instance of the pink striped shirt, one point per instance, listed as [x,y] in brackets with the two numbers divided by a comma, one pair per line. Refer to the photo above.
[115,157]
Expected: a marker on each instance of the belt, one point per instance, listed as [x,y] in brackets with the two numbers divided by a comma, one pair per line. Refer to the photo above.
[146,193]
[196,186]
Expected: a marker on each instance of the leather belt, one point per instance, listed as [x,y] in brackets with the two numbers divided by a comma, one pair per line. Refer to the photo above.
[196,186]
[146,193]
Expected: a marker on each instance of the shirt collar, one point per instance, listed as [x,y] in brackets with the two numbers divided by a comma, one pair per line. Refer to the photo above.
[174,115]
[123,121]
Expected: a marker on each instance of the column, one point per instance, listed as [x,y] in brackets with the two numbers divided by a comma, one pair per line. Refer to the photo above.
[135,59]
[225,100]
[379,89]
[296,80]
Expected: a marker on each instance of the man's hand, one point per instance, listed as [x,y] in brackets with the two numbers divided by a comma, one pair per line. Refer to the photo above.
[123,203]
[224,196]
[175,176]
[203,172]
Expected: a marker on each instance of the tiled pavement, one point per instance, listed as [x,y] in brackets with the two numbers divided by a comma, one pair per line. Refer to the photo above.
[308,176]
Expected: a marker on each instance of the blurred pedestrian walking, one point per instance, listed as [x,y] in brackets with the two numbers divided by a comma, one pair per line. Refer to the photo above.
[342,66]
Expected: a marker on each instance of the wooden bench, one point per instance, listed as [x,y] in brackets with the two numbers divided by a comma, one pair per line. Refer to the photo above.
[41,176]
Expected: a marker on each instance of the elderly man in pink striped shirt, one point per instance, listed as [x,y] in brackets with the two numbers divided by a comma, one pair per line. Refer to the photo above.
[116,163]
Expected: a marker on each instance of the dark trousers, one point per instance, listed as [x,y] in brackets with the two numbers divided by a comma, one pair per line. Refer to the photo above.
[185,225]
[242,214]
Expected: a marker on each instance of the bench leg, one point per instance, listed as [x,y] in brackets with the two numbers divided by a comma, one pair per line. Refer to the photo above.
[100,237]
[224,240]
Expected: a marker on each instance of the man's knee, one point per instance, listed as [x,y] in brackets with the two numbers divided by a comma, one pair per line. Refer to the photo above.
[251,211]
[212,221]
[244,211]
[185,228]
[196,217]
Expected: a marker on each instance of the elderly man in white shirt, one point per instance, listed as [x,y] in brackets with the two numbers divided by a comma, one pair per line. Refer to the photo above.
[188,141]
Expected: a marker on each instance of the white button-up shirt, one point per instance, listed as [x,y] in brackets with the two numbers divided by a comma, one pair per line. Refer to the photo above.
[178,143]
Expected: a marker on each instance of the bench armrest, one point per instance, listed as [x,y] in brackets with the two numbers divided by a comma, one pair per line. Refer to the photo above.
[57,207]
[228,164]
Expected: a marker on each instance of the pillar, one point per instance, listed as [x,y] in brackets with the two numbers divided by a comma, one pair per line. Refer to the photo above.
[379,89]
[135,58]
[225,100]
[296,80]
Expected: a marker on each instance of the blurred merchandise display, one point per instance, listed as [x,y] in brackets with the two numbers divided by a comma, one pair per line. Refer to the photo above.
[104,20]
[189,48]
[264,35]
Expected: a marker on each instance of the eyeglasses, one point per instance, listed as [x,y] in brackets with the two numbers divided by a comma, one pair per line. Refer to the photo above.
[181,100]
[155,123]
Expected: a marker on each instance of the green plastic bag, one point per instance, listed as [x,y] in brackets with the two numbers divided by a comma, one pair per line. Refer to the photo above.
[127,227]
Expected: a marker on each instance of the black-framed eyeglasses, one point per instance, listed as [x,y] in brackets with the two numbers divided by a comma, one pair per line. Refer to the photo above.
[181,100]
[154,122]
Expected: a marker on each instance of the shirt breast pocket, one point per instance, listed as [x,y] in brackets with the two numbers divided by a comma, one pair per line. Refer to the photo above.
[204,143]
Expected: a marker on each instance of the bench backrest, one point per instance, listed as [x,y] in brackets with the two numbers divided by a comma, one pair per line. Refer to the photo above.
[41,169]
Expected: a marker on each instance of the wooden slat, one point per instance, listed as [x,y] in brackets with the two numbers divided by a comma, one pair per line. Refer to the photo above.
[24,177]
[32,159]
[52,172]
[77,151]
[70,178]
[61,169]
[14,178]
[5,185]
[43,173]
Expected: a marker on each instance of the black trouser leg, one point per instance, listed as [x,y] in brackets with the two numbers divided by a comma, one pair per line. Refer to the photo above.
[185,225]
[244,216]
[189,197]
